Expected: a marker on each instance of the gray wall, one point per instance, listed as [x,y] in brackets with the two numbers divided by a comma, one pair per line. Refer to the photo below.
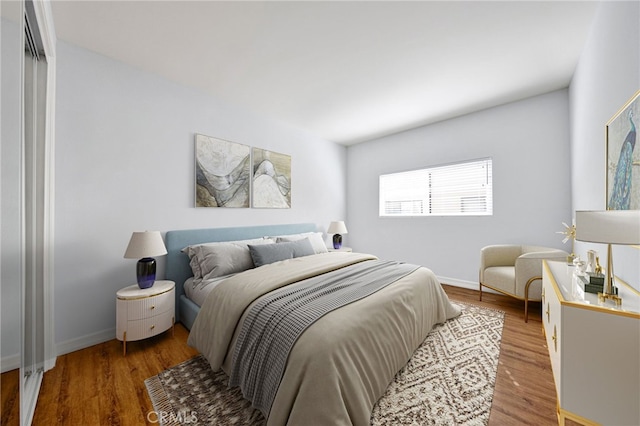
[10,184]
[125,162]
[529,143]
[607,75]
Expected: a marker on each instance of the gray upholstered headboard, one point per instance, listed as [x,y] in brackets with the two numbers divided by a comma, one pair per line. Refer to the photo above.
[177,266]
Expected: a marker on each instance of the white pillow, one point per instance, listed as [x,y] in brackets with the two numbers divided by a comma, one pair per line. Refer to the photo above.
[212,260]
[315,238]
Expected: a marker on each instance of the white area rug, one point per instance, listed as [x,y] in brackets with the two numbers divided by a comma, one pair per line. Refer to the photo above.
[448,381]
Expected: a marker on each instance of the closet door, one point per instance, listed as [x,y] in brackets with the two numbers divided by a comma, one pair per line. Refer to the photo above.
[34,112]
[26,208]
[11,209]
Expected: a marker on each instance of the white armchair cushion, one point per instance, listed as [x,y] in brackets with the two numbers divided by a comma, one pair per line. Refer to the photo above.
[501,278]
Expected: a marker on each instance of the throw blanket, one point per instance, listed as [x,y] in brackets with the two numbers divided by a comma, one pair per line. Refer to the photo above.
[275,322]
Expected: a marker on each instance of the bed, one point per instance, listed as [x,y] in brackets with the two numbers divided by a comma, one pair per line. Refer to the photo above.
[339,364]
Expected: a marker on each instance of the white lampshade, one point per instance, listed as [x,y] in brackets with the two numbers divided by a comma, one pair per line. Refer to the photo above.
[145,244]
[337,227]
[608,226]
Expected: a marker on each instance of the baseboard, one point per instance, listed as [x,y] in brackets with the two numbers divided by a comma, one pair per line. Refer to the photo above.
[470,285]
[10,362]
[85,341]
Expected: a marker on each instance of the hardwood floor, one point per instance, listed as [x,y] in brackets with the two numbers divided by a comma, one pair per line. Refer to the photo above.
[10,398]
[98,386]
[525,393]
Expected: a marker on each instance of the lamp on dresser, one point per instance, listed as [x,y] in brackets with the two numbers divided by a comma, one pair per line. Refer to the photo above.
[337,228]
[143,246]
[609,227]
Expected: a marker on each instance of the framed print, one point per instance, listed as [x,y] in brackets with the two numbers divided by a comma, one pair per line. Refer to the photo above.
[271,180]
[222,173]
[623,159]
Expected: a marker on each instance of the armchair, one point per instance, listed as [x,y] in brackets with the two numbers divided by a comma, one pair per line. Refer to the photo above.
[511,269]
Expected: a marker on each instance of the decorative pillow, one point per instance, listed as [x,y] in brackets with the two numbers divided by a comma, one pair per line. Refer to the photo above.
[211,260]
[265,254]
[315,238]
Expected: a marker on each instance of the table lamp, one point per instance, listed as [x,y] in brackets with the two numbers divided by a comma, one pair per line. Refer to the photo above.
[144,245]
[609,227]
[337,229]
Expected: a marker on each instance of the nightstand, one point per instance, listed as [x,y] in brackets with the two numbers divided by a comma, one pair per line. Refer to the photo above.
[347,249]
[143,313]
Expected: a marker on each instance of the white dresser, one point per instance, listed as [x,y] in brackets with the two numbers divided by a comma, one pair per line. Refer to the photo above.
[594,350]
[143,313]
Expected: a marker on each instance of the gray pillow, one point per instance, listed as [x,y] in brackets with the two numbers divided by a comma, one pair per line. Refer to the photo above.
[269,253]
[211,260]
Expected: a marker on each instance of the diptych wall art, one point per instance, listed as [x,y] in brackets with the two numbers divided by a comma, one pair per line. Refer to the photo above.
[222,173]
[623,158]
[230,174]
[271,186]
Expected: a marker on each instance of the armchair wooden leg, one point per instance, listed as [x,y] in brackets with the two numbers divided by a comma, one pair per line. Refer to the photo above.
[526,297]
[481,292]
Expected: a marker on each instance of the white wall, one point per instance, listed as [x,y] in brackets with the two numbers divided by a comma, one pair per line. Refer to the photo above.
[125,162]
[607,75]
[529,143]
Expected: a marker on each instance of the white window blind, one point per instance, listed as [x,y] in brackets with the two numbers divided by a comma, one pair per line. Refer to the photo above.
[457,189]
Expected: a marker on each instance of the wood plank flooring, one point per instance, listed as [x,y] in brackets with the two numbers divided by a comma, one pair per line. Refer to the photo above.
[98,386]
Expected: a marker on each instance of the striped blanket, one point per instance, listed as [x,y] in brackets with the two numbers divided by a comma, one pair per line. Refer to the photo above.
[275,322]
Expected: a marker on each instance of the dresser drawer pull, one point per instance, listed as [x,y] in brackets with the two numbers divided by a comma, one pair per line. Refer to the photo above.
[153,326]
[547,312]
[555,339]
[153,307]
[543,295]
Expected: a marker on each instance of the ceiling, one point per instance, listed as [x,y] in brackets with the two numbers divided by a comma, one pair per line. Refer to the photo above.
[345,71]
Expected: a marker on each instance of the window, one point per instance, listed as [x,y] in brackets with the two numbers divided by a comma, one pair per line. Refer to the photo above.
[457,189]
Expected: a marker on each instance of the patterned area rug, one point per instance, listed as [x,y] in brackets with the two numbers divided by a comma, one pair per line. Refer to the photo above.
[449,380]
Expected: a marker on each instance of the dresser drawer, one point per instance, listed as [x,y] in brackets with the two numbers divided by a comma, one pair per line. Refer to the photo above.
[148,327]
[150,306]
[551,319]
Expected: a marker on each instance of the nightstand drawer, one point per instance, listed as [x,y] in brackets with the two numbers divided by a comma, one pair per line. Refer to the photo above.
[143,328]
[150,306]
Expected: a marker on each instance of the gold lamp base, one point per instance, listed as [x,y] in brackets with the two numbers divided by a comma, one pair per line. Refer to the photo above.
[610,290]
[603,297]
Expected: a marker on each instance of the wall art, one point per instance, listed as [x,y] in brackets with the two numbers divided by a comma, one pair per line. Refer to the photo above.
[222,173]
[271,179]
[623,158]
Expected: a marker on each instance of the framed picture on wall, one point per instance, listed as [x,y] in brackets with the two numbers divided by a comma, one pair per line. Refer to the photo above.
[623,157]
[271,180]
[222,173]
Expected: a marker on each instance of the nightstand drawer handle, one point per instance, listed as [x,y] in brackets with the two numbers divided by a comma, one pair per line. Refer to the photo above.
[153,307]
[555,339]
[152,327]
